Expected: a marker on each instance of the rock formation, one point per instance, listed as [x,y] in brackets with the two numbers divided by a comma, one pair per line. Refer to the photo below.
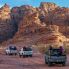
[25,20]
[7,28]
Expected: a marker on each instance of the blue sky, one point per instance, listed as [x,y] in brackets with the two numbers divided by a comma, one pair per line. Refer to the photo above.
[35,3]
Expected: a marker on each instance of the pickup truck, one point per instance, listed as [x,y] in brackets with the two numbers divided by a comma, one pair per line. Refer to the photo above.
[25,52]
[11,50]
[54,56]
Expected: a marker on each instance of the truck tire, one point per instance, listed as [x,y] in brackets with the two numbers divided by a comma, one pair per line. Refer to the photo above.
[30,55]
[46,62]
[15,54]
[6,53]
[24,56]
[20,56]
[63,64]
[49,64]
[9,54]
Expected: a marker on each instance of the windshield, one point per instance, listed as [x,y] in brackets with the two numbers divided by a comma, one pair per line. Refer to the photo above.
[27,49]
[12,48]
[55,52]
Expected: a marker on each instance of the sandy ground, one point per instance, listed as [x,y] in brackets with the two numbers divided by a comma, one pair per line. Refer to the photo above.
[35,62]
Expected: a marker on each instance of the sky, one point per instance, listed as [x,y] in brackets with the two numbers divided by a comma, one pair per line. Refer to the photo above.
[34,3]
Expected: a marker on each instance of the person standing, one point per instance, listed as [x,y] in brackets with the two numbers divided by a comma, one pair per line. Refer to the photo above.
[61,49]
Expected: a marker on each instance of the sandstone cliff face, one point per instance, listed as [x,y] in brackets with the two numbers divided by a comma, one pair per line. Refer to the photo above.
[47,18]
[47,7]
[31,24]
[5,12]
[56,16]
[60,18]
[17,13]
[25,20]
[7,28]
[53,36]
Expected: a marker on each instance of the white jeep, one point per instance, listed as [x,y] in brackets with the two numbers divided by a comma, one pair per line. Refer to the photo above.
[26,52]
[11,50]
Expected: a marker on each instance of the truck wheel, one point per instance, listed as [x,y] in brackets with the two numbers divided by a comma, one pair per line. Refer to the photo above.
[6,53]
[63,64]
[20,56]
[30,55]
[24,56]
[46,62]
[15,54]
[9,54]
[49,64]
[27,55]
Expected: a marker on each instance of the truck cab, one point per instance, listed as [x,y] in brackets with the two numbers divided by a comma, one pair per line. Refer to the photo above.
[11,50]
[55,56]
[27,51]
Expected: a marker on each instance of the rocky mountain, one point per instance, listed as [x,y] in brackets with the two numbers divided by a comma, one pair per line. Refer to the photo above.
[7,28]
[28,21]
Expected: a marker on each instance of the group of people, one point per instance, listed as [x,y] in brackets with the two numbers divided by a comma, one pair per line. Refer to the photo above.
[25,48]
[61,49]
